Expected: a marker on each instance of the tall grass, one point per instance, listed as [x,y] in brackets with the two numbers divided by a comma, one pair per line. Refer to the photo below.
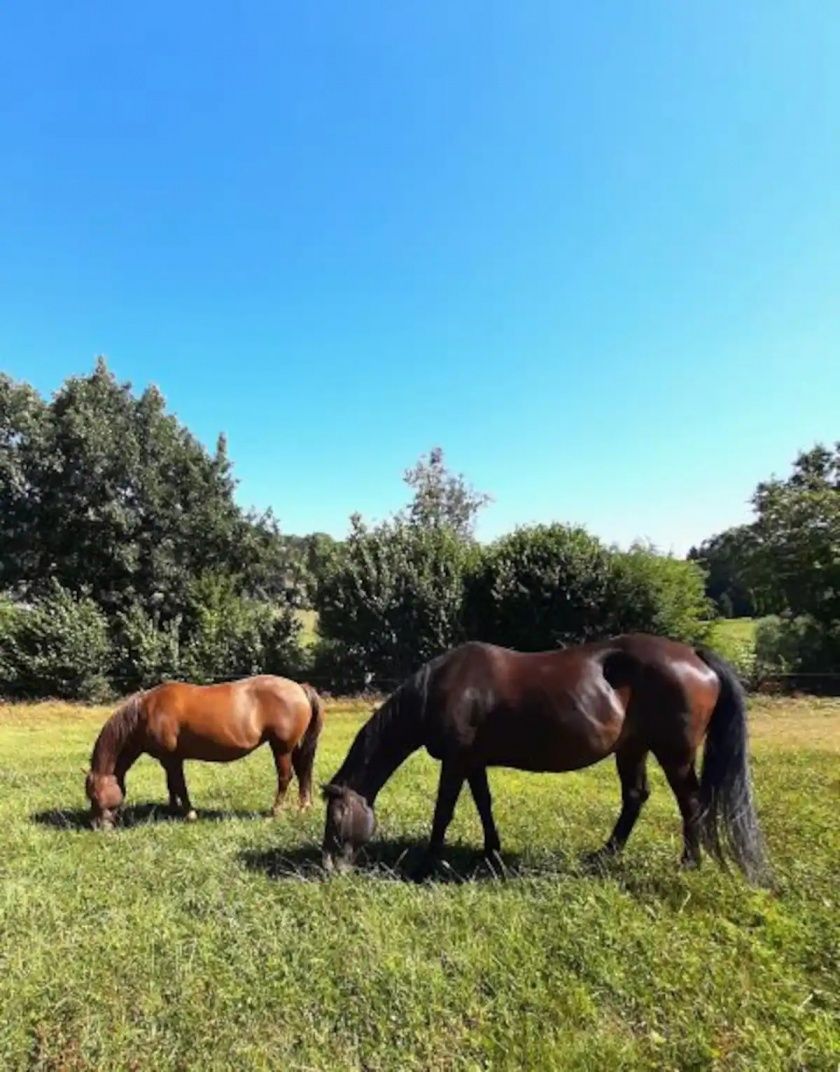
[218,945]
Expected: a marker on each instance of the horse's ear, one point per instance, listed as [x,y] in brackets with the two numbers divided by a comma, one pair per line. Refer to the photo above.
[330,792]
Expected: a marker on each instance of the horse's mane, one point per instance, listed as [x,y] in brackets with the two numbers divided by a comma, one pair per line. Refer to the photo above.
[392,730]
[116,732]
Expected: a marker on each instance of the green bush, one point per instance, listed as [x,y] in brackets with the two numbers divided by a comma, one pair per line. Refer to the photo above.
[145,652]
[540,587]
[787,645]
[229,635]
[551,585]
[654,593]
[57,647]
[391,599]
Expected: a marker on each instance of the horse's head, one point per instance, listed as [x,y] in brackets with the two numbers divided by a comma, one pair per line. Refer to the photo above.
[350,825]
[105,795]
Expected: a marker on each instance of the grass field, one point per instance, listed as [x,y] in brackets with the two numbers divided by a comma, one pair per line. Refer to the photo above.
[218,945]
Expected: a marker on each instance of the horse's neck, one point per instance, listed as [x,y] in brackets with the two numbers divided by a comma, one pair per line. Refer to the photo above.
[381,745]
[115,751]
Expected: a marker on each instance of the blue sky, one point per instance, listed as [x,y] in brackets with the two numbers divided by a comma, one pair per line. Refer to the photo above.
[591,250]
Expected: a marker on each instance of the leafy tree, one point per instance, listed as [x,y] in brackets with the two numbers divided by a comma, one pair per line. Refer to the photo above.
[796,564]
[146,651]
[392,598]
[108,493]
[442,499]
[299,563]
[726,559]
[23,422]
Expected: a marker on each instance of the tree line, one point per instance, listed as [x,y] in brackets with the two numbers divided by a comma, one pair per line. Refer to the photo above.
[784,566]
[125,559]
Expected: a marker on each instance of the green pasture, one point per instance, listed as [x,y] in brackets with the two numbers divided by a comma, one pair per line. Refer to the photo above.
[219,945]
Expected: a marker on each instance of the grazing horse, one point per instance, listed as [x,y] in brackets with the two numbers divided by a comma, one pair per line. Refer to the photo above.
[481,706]
[217,723]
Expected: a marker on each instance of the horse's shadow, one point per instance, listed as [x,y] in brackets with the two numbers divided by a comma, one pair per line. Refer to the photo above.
[394,859]
[135,815]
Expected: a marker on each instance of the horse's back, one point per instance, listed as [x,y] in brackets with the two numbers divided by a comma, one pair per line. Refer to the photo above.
[226,720]
[562,709]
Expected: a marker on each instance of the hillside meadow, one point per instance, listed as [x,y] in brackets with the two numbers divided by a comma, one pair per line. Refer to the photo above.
[167,946]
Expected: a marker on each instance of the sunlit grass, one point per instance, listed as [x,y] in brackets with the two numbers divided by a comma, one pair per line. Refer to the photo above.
[218,945]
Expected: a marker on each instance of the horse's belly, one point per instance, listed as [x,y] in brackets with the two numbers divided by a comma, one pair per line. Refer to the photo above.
[562,741]
[213,747]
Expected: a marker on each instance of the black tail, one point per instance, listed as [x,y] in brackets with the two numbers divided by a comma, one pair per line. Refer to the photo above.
[305,748]
[729,823]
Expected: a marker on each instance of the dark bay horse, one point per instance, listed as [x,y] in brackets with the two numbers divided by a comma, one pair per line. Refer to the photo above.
[217,723]
[481,706]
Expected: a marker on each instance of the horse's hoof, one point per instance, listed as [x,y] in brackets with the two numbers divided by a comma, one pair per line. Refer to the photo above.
[597,860]
[424,869]
[690,863]
[191,815]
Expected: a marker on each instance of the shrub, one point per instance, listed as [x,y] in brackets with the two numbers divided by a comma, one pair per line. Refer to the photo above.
[58,647]
[145,652]
[653,593]
[785,645]
[539,588]
[552,585]
[391,599]
[229,635]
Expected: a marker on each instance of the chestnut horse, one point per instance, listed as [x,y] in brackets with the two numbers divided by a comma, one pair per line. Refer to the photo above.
[217,723]
[481,706]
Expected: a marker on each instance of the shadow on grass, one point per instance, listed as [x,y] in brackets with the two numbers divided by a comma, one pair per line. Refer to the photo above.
[136,815]
[397,860]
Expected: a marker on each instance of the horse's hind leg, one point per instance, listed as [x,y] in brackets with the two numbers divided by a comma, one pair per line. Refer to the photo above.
[682,778]
[176,783]
[631,762]
[484,803]
[283,765]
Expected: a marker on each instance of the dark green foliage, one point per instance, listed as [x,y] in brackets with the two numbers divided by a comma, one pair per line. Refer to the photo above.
[392,597]
[146,652]
[788,560]
[233,636]
[553,585]
[57,647]
[106,495]
[725,559]
[540,587]
[106,492]
[654,593]
[301,562]
[801,644]
[796,563]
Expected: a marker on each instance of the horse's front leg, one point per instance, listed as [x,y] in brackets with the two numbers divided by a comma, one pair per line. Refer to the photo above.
[179,798]
[449,789]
